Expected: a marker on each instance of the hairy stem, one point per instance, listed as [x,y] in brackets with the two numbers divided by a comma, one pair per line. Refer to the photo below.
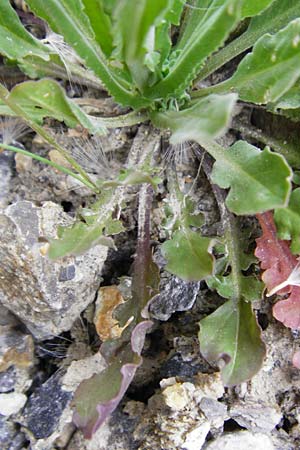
[231,231]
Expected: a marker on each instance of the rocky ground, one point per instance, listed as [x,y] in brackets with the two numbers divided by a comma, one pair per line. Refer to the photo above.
[49,334]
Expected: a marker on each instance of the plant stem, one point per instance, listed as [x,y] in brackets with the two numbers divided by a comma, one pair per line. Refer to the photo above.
[19,111]
[48,162]
[125,120]
[231,232]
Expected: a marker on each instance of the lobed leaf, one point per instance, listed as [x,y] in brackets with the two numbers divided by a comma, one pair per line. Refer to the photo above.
[231,334]
[272,67]
[258,180]
[251,287]
[77,239]
[288,221]
[278,15]
[45,98]
[187,255]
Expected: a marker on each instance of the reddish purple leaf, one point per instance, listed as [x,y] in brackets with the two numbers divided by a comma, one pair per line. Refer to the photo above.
[279,262]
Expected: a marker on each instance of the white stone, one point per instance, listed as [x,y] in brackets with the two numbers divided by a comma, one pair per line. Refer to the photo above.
[11,403]
[196,438]
[242,440]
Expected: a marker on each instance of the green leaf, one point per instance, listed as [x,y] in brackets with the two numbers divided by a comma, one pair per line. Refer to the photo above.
[254,7]
[258,180]
[77,239]
[232,334]
[208,35]
[288,221]
[136,34]
[82,236]
[187,255]
[45,98]
[15,41]
[208,118]
[69,19]
[100,23]
[271,69]
[271,20]
[251,287]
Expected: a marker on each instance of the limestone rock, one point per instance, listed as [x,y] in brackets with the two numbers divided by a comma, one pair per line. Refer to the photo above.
[6,172]
[241,440]
[255,416]
[46,295]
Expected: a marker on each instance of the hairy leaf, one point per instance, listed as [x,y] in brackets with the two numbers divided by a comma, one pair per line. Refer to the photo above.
[15,41]
[45,98]
[187,255]
[231,334]
[288,221]
[69,19]
[208,118]
[258,180]
[208,35]
[280,268]
[271,69]
[97,397]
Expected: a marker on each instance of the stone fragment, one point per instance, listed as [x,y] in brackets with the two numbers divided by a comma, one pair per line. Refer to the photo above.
[242,440]
[23,162]
[195,438]
[109,297]
[10,436]
[16,349]
[175,295]
[11,403]
[45,407]
[255,416]
[46,295]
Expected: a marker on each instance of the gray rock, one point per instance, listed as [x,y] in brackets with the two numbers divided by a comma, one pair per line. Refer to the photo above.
[46,295]
[255,416]
[175,295]
[6,172]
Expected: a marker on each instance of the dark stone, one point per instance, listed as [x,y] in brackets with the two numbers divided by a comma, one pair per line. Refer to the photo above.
[66,273]
[175,366]
[45,407]
[175,295]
